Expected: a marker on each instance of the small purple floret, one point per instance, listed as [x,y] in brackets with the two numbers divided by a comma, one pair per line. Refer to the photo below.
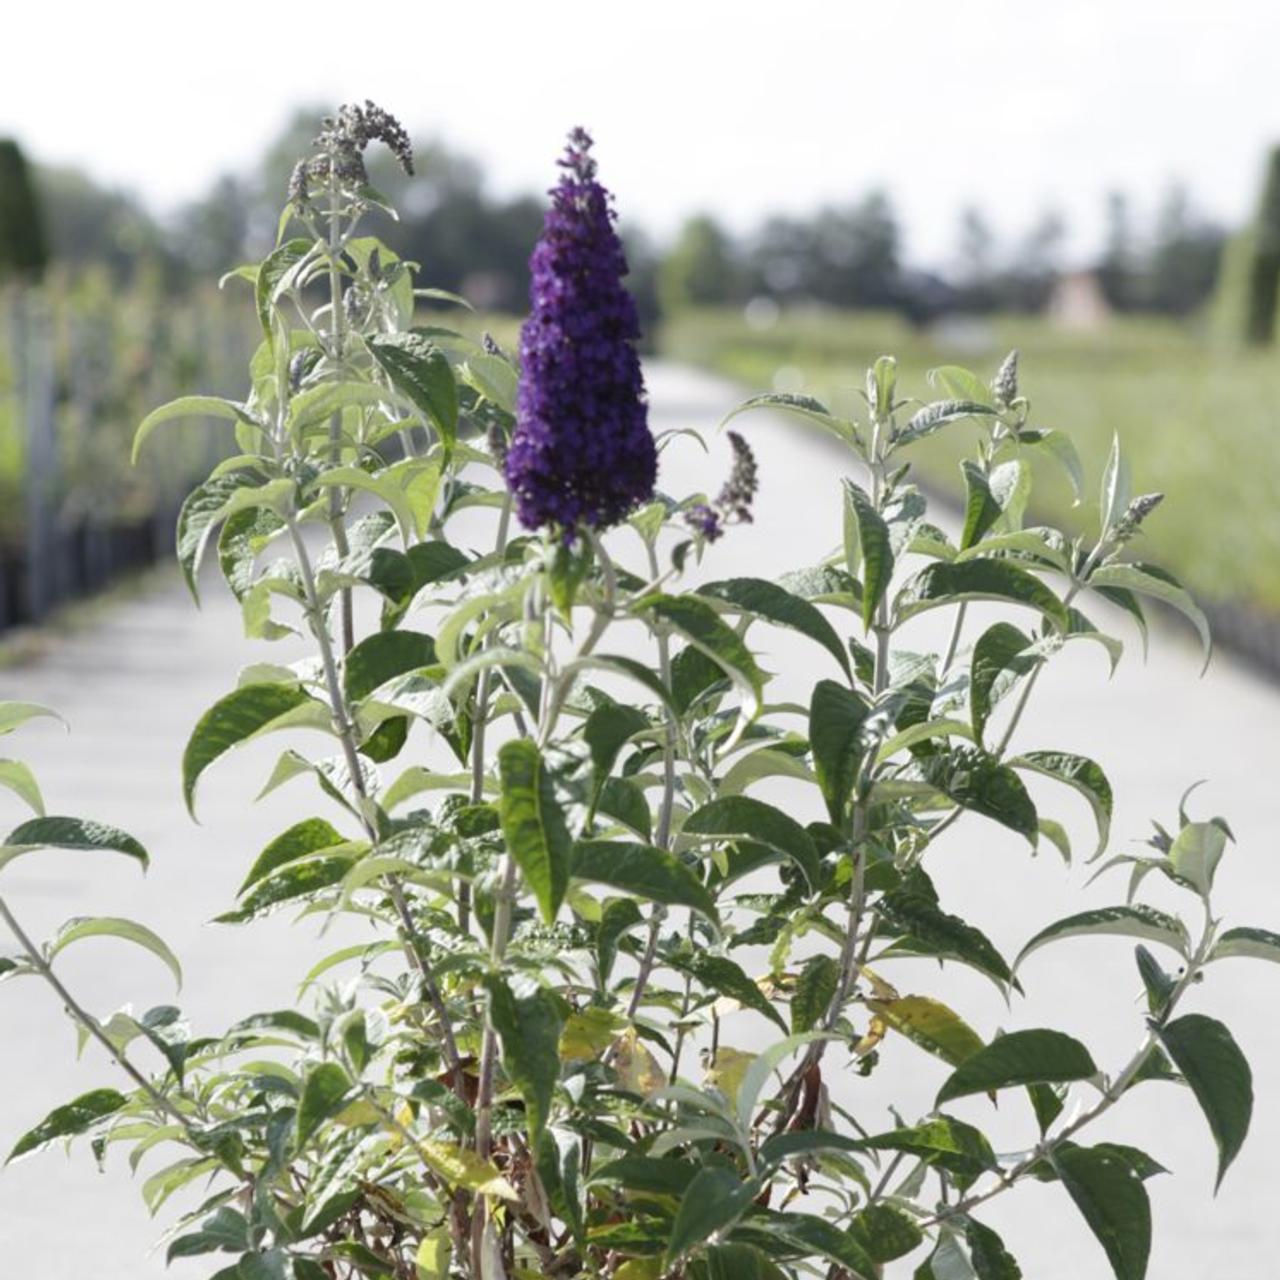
[582,452]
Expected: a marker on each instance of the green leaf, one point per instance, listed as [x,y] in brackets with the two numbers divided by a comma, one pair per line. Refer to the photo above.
[203,507]
[934,932]
[981,510]
[641,869]
[1148,580]
[930,1024]
[836,718]
[227,1230]
[1081,774]
[1063,448]
[1254,944]
[418,369]
[191,407]
[69,833]
[1204,1051]
[948,1261]
[1123,922]
[381,657]
[723,976]
[707,632]
[324,1093]
[308,836]
[943,583]
[275,269]
[1109,1193]
[1196,851]
[301,878]
[804,407]
[529,1028]
[70,1120]
[718,1262]
[607,730]
[533,824]
[249,710]
[13,714]
[999,657]
[744,817]
[977,781]
[714,1200]
[1114,499]
[877,553]
[936,415]
[771,602]
[113,927]
[814,990]
[18,778]
[959,1148]
[885,1232]
[1021,1057]
[817,1235]
[991,1260]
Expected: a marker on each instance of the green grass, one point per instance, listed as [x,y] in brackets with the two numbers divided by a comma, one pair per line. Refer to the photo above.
[1199,423]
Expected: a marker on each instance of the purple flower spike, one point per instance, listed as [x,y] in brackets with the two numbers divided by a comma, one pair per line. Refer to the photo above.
[581,452]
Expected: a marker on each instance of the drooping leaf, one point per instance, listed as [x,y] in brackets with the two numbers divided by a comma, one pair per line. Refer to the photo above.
[1211,1061]
[705,630]
[13,714]
[953,1145]
[747,818]
[18,778]
[714,1200]
[324,1093]
[418,369]
[930,1024]
[528,1027]
[533,824]
[836,718]
[248,710]
[70,1120]
[1002,581]
[1158,584]
[804,407]
[80,927]
[935,932]
[191,407]
[1021,1057]
[876,550]
[1254,944]
[1082,775]
[641,869]
[999,657]
[981,510]
[303,838]
[991,1260]
[607,730]
[978,781]
[773,603]
[813,992]
[726,978]
[885,1232]
[69,833]
[1109,1193]
[1136,921]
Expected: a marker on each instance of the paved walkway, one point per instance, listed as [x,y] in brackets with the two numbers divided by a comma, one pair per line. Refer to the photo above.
[133,685]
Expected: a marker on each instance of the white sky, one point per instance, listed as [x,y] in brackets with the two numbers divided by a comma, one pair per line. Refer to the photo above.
[737,106]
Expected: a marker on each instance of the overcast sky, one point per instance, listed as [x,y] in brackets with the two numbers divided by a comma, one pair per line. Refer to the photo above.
[734,106]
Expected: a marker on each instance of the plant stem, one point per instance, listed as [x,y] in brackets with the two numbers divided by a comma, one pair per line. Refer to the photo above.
[89,1022]
[338,355]
[1110,1095]
[346,732]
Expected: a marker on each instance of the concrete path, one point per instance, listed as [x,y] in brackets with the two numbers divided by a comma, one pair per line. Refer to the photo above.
[133,685]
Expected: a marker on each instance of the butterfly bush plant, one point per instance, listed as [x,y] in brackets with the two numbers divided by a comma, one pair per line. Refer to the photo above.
[542,727]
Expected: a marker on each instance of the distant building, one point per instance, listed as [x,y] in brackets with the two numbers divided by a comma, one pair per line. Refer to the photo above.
[1077,301]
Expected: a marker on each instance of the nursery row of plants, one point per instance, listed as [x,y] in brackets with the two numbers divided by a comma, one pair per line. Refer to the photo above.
[80,361]
[1198,419]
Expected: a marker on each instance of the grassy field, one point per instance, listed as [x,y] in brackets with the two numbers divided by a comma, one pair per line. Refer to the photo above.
[1198,423]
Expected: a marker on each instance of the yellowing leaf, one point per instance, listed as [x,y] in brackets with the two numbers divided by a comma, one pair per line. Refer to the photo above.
[589,1033]
[930,1024]
[462,1168]
[726,1072]
[639,1269]
[636,1066]
[434,1256]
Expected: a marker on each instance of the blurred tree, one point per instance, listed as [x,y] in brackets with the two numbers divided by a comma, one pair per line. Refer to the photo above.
[24,250]
[701,268]
[88,223]
[975,262]
[1264,268]
[1118,269]
[214,231]
[1036,263]
[1185,256]
[783,258]
[645,263]
[857,262]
